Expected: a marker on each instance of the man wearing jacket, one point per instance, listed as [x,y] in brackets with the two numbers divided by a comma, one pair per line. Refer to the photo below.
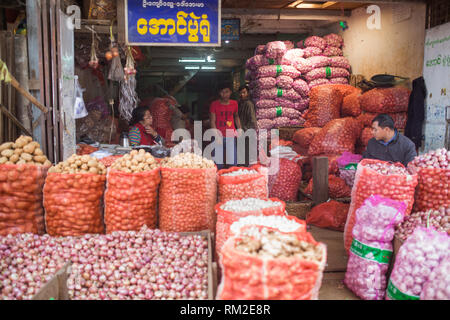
[388,144]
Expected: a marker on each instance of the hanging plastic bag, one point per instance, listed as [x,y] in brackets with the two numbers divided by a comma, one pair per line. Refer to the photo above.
[79,108]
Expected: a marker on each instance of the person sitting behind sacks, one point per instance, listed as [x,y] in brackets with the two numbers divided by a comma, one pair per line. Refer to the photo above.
[141,132]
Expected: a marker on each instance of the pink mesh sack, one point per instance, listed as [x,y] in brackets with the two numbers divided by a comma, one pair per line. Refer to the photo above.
[332,51]
[318,82]
[278,70]
[284,82]
[326,73]
[334,40]
[339,62]
[311,52]
[301,87]
[291,56]
[275,49]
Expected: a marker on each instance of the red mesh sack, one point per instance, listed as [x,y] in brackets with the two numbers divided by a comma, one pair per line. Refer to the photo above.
[400,119]
[21,208]
[366,119]
[130,200]
[336,137]
[285,183]
[226,218]
[304,137]
[248,276]
[324,105]
[243,186]
[299,149]
[370,182]
[351,106]
[365,136]
[385,100]
[186,199]
[161,113]
[108,161]
[331,215]
[432,190]
[73,203]
[346,89]
[337,188]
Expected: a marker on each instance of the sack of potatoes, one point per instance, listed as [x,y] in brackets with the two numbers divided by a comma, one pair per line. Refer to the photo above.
[79,164]
[23,151]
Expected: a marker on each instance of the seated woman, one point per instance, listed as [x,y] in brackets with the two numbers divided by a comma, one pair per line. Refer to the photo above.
[141,132]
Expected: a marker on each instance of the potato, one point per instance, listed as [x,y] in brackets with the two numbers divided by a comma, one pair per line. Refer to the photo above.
[40,159]
[26,157]
[14,158]
[47,163]
[22,141]
[92,163]
[21,161]
[134,152]
[29,148]
[78,163]
[6,145]
[38,152]
[18,151]
[3,160]
[93,170]
[85,158]
[7,153]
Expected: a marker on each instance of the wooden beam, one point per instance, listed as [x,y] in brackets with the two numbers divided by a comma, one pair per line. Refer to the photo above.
[27,95]
[121,21]
[328,4]
[294,4]
[320,180]
[14,119]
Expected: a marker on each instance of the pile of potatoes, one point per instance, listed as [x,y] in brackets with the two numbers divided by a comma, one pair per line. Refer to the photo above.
[23,151]
[135,161]
[79,164]
[189,161]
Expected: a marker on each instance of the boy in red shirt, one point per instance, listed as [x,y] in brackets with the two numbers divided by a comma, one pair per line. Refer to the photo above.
[225,118]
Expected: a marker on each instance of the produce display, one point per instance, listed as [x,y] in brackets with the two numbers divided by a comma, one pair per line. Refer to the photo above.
[433,172]
[372,247]
[187,194]
[260,264]
[73,194]
[281,223]
[324,106]
[238,183]
[285,183]
[416,262]
[385,100]
[331,215]
[438,219]
[148,264]
[438,284]
[375,177]
[23,151]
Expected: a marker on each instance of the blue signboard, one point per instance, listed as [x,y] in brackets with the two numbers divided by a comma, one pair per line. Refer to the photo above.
[231,29]
[173,23]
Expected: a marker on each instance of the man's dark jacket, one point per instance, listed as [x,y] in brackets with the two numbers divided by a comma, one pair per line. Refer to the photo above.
[401,149]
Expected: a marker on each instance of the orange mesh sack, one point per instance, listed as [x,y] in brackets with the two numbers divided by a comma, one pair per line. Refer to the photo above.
[385,100]
[336,137]
[331,215]
[351,106]
[337,187]
[73,203]
[225,218]
[366,119]
[239,183]
[161,113]
[186,199]
[375,177]
[254,270]
[400,119]
[365,136]
[304,137]
[346,89]
[324,105]
[130,200]
[21,208]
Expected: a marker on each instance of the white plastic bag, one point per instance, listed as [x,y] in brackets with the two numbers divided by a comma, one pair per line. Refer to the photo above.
[79,108]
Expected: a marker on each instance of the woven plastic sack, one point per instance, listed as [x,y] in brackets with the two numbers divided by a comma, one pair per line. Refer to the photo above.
[266,103]
[351,106]
[303,65]
[311,52]
[337,188]
[415,262]
[339,62]
[250,277]
[437,286]
[277,112]
[130,200]
[186,199]
[277,70]
[243,186]
[265,124]
[326,73]
[226,218]
[324,106]
[332,52]
[400,119]
[285,183]
[291,56]
[21,208]
[369,182]
[313,41]
[318,82]
[365,136]
[73,204]
[284,82]
[385,100]
[301,87]
[331,215]
[334,40]
[339,80]
[372,249]
[319,62]
[275,49]
[266,83]
[304,137]
[432,190]
[336,137]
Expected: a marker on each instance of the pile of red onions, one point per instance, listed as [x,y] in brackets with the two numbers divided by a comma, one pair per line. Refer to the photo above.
[149,264]
[439,159]
[387,169]
[438,219]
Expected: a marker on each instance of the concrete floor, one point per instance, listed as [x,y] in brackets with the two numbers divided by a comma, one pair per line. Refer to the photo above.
[333,287]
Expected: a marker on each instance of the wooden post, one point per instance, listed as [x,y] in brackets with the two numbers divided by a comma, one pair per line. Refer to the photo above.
[14,119]
[320,180]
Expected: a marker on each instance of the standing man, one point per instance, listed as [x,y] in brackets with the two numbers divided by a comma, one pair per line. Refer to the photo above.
[388,144]
[225,118]
[247,117]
